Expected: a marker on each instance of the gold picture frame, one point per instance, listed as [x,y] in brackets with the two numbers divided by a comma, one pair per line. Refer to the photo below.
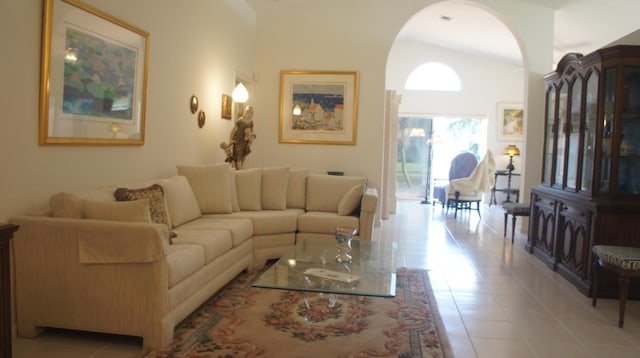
[318,107]
[91,97]
[227,107]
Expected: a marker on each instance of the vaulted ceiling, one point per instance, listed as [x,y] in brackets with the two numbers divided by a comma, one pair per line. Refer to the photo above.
[579,26]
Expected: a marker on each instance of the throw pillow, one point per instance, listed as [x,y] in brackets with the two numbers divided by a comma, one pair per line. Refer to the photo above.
[133,211]
[297,188]
[155,195]
[274,188]
[351,199]
[66,205]
[211,185]
[248,189]
[182,204]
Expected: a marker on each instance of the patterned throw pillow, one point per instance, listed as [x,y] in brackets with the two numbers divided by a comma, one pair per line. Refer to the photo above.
[155,195]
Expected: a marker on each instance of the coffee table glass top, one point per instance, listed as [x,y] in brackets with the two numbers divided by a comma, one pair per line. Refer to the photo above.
[311,266]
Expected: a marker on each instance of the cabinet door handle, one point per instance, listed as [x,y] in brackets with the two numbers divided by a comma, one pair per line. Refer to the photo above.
[565,208]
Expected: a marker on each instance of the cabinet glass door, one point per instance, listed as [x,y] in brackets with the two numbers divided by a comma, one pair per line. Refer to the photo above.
[550,133]
[607,128]
[590,117]
[629,164]
[573,133]
[562,125]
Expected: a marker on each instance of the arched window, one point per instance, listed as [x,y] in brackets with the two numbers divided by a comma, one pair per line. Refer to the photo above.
[433,76]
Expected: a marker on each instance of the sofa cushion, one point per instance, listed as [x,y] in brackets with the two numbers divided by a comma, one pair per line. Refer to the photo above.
[274,188]
[297,188]
[268,222]
[324,192]
[181,201]
[69,205]
[248,187]
[351,200]
[241,229]
[234,191]
[213,242]
[183,261]
[155,196]
[211,186]
[134,211]
[324,222]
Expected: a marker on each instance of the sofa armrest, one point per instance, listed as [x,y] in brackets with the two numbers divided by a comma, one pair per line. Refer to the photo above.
[98,241]
[120,287]
[367,213]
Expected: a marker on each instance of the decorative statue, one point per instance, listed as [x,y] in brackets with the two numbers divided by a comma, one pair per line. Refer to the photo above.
[240,139]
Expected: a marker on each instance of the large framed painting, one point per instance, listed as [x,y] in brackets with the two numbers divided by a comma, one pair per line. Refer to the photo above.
[94,75]
[318,107]
[510,121]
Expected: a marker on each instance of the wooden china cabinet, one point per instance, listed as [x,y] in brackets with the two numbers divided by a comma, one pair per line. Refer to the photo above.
[590,191]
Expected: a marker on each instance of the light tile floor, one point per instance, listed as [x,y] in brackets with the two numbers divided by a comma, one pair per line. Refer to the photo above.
[496,300]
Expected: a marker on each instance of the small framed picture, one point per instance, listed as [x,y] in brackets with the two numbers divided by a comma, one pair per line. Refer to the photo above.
[227,106]
[510,121]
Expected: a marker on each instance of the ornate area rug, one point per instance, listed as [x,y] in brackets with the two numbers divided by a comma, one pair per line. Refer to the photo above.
[244,321]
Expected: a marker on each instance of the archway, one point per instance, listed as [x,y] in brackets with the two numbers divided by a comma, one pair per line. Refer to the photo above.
[489,77]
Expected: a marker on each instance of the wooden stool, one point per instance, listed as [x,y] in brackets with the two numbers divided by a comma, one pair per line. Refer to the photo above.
[624,261]
[515,210]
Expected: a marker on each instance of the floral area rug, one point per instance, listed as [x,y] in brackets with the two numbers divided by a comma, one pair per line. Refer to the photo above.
[245,321]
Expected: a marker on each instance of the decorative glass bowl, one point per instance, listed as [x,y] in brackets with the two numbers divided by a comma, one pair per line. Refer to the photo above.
[344,235]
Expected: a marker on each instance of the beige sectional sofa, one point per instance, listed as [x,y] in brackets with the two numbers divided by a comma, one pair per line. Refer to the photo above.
[140,264]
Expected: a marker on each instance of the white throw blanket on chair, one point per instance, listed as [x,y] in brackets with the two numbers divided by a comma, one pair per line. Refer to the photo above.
[481,180]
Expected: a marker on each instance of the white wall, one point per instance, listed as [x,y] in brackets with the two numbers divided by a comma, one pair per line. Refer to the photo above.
[481,90]
[196,48]
[358,35]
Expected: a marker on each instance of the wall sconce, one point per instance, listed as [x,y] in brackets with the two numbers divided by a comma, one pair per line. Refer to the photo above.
[297,110]
[240,93]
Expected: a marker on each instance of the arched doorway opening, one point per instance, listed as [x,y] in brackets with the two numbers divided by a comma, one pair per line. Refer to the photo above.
[487,77]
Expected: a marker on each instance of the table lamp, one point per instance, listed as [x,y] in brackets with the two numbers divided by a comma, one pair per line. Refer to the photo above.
[510,150]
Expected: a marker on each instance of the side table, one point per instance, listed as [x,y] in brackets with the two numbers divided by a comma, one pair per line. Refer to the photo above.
[6,233]
[508,190]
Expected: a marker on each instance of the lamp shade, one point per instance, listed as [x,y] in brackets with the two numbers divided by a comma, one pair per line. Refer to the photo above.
[511,150]
[240,93]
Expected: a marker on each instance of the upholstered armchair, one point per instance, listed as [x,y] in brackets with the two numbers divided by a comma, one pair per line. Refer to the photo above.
[463,192]
[462,165]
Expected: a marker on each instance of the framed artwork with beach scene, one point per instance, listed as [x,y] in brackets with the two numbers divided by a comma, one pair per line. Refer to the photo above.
[318,107]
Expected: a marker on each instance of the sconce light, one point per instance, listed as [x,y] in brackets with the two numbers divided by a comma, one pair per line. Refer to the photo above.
[511,150]
[240,93]
[297,110]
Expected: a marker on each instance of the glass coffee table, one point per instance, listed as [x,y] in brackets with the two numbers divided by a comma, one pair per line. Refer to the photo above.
[311,266]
